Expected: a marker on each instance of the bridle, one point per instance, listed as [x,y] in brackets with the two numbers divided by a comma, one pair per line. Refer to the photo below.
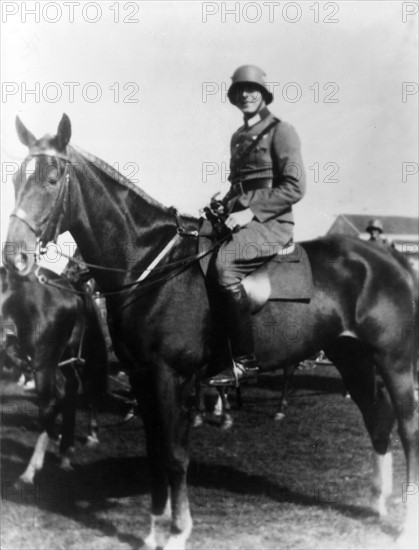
[56,216]
[57,211]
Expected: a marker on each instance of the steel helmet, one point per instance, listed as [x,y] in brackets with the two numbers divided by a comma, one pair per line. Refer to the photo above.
[375,224]
[253,75]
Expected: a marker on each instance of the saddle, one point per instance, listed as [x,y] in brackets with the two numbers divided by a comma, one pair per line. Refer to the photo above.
[287,276]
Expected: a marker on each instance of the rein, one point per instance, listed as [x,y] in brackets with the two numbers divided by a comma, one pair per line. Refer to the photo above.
[57,215]
[79,361]
[180,264]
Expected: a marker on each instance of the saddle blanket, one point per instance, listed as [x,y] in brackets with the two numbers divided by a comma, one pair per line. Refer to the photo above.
[287,276]
[290,275]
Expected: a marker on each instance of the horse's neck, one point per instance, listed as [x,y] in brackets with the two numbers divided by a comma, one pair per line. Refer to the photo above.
[118,227]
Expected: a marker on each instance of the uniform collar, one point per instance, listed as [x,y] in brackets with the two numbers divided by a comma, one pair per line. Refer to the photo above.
[257,118]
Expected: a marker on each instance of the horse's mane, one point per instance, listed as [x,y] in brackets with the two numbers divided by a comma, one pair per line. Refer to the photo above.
[75,153]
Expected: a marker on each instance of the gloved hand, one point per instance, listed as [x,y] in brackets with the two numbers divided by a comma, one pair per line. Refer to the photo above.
[217,206]
[215,213]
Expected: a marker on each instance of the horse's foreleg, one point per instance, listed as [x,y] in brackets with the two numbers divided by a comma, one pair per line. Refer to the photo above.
[172,400]
[176,420]
[199,406]
[37,460]
[162,407]
[95,372]
[68,410]
[92,437]
[226,418]
[47,415]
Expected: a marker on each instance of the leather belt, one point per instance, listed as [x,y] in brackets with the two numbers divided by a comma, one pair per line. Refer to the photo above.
[250,185]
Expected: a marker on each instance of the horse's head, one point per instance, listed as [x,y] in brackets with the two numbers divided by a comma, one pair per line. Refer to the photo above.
[40,190]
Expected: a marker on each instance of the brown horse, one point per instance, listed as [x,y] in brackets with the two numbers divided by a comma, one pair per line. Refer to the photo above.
[58,328]
[361,314]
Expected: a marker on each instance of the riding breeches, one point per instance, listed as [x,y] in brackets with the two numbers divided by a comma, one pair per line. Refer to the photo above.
[249,248]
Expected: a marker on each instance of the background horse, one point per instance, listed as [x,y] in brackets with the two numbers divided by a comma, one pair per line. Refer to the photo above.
[58,328]
[158,300]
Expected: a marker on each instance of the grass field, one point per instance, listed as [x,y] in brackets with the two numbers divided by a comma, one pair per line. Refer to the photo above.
[302,483]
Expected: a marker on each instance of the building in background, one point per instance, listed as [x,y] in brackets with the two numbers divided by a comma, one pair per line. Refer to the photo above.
[402,232]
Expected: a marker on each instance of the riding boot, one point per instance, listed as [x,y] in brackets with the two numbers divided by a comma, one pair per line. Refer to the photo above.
[240,330]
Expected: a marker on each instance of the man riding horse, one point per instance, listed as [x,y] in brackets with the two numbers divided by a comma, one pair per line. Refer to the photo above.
[267,178]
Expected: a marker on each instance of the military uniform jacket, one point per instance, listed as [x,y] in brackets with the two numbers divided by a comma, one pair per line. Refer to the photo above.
[276,156]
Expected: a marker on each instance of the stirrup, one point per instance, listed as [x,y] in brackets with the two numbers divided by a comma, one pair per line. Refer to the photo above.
[234,375]
[244,372]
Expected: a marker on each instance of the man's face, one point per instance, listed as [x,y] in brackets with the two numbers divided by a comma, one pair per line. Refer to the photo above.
[375,234]
[249,99]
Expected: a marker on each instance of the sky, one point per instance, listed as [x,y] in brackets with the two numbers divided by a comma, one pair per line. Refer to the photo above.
[144,85]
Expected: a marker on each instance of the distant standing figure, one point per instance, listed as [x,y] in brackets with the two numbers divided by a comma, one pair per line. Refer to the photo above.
[375,229]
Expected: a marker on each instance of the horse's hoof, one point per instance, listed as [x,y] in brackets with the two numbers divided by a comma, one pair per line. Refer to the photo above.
[92,442]
[66,465]
[129,416]
[26,479]
[279,416]
[226,423]
[29,386]
[197,421]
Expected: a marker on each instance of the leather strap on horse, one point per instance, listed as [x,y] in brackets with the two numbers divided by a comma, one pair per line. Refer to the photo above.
[57,210]
[175,268]
[78,361]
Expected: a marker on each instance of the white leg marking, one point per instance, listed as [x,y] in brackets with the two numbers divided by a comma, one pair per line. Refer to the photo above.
[218,409]
[66,460]
[178,542]
[159,528]
[92,441]
[226,422]
[29,385]
[37,459]
[198,420]
[150,541]
[383,466]
[409,537]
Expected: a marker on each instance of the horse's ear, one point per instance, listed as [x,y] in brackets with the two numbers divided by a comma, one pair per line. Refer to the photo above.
[64,133]
[24,134]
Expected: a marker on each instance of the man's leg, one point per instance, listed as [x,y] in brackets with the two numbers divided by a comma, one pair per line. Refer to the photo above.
[240,331]
[247,250]
[236,308]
